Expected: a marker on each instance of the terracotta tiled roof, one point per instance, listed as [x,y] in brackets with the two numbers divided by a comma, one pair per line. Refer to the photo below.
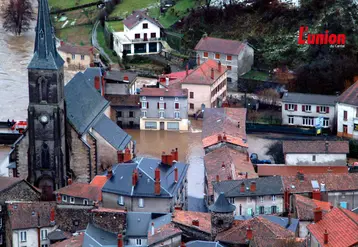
[136,17]
[163,92]
[220,120]
[186,218]
[163,233]
[175,76]
[7,182]
[74,49]
[82,190]
[350,95]
[107,210]
[23,215]
[278,242]
[341,147]
[331,181]
[75,241]
[225,46]
[261,229]
[341,225]
[285,170]
[235,163]
[305,207]
[123,100]
[99,180]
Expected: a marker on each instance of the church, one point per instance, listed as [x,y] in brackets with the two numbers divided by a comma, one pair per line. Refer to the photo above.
[68,126]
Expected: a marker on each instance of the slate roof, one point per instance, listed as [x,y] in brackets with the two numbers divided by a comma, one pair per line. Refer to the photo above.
[339,147]
[342,227]
[91,73]
[75,49]
[304,98]
[220,120]
[82,190]
[58,235]
[331,181]
[123,100]
[305,207]
[97,237]
[137,224]
[74,241]
[286,170]
[235,163]
[163,92]
[225,46]
[45,55]
[350,95]
[84,104]
[118,76]
[112,133]
[222,205]
[264,186]
[186,218]
[121,181]
[138,16]
[23,215]
[163,233]
[198,243]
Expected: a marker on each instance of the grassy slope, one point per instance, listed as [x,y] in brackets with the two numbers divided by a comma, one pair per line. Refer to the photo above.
[127,6]
[64,4]
[102,43]
[79,35]
[115,26]
[180,8]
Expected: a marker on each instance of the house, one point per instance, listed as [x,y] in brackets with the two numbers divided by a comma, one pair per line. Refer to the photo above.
[316,153]
[339,227]
[338,189]
[224,127]
[225,164]
[119,82]
[206,85]
[303,209]
[253,196]
[147,185]
[125,110]
[164,109]
[198,243]
[236,56]
[29,223]
[78,57]
[300,109]
[141,35]
[347,113]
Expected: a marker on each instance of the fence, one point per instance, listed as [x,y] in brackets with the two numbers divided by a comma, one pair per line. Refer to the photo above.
[58,11]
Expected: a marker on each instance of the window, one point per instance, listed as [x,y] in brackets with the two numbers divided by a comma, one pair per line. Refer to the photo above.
[43,234]
[72,200]
[161,98]
[76,222]
[217,56]
[325,122]
[307,108]
[313,157]
[44,245]
[273,198]
[273,209]
[150,125]
[308,121]
[206,54]
[144,98]
[249,199]
[231,200]
[144,114]
[345,115]
[141,202]
[176,114]
[82,57]
[290,107]
[153,35]
[121,200]
[323,109]
[144,105]
[64,198]
[262,210]
[131,114]
[85,202]
[145,25]
[73,56]
[176,105]
[23,236]
[161,114]
[291,120]
[119,114]
[229,67]
[137,36]
[191,106]
[161,105]
[192,95]
[139,241]
[228,58]
[261,199]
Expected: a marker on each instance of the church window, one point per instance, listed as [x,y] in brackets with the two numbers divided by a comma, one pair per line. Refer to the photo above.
[42,86]
[45,156]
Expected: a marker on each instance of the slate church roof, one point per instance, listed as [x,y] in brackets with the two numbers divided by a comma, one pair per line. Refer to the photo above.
[222,205]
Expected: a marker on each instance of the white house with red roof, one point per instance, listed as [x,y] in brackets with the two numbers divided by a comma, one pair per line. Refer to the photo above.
[141,35]
[237,56]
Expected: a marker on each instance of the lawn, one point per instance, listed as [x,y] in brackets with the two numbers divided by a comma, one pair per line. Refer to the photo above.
[256,75]
[175,13]
[115,26]
[127,6]
[102,42]
[78,35]
[64,4]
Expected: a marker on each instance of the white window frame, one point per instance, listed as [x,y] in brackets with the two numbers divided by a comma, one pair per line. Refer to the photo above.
[43,234]
[273,198]
[23,236]
[141,202]
[176,99]
[82,57]
[144,114]
[232,200]
[291,120]
[139,241]
[261,199]
[290,107]
[121,200]
[144,105]
[85,202]
[204,54]
[215,56]
[323,109]
[64,198]
[161,105]
[175,115]
[73,56]
[227,56]
[308,108]
[144,98]
[325,122]
[307,121]
[72,200]
[161,98]
[161,114]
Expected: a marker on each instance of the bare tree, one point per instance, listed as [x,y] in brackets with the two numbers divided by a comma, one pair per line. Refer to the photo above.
[18,16]
[269,96]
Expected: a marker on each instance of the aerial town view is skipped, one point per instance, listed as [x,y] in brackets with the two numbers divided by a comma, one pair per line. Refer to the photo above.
[178,123]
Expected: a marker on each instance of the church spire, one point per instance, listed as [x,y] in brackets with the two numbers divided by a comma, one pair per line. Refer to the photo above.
[45,52]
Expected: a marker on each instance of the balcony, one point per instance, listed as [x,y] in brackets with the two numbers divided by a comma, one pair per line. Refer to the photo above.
[141,40]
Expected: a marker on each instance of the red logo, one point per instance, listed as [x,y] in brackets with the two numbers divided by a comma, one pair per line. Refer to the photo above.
[321,39]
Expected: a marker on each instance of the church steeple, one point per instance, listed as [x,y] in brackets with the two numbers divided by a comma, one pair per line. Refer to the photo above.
[45,53]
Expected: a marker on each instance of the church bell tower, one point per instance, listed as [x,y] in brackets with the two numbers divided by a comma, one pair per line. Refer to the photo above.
[46,111]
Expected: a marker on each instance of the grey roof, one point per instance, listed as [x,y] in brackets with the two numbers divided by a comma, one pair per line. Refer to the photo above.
[355,210]
[45,53]
[305,98]
[91,73]
[121,181]
[118,75]
[283,221]
[56,235]
[12,165]
[84,104]
[112,133]
[198,243]
[222,205]
[97,237]
[137,224]
[264,186]
[160,221]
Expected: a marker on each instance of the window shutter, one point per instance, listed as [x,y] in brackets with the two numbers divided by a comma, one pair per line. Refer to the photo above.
[295,107]
[317,108]
[165,105]
[303,108]
[286,107]
[327,111]
[158,105]
[147,104]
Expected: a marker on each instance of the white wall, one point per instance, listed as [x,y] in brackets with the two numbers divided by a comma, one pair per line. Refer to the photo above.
[202,95]
[321,159]
[303,231]
[133,241]
[130,33]
[351,115]
[31,237]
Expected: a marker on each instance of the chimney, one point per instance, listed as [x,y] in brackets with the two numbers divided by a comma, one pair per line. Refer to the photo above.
[242,187]
[224,138]
[176,175]
[325,237]
[127,155]
[167,81]
[182,244]
[153,229]
[97,85]
[198,62]
[176,154]
[248,233]
[157,182]
[103,92]
[134,177]
[316,194]
[195,222]
[120,156]
[219,66]
[164,158]
[253,186]
[170,159]
[219,138]
[187,69]
[286,199]
[120,240]
[288,220]
[59,199]
[326,144]
[125,78]
[317,214]
[212,73]
[109,173]
[69,181]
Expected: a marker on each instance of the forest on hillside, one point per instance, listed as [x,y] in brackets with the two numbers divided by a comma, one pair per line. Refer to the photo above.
[272,29]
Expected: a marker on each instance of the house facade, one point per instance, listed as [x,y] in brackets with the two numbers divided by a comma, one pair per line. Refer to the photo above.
[238,57]
[164,109]
[141,35]
[304,110]
[78,57]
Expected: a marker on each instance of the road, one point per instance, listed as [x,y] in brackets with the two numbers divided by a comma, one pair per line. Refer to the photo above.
[95,42]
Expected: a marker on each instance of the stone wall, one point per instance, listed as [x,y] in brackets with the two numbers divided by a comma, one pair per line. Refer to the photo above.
[221,144]
[21,157]
[20,192]
[114,222]
[190,234]
[221,222]
[72,218]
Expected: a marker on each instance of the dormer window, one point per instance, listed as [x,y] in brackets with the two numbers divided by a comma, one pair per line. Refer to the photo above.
[145,25]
